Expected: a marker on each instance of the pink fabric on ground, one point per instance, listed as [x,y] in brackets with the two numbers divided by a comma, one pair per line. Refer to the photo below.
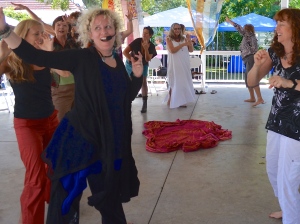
[188,135]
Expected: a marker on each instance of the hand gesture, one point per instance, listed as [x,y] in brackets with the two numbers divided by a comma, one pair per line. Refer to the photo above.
[129,15]
[260,57]
[278,82]
[67,18]
[188,40]
[137,65]
[19,6]
[145,44]
[46,42]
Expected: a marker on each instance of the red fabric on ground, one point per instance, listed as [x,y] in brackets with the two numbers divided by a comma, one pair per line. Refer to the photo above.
[188,135]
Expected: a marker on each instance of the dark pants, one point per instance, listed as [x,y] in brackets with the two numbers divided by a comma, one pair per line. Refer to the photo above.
[112,212]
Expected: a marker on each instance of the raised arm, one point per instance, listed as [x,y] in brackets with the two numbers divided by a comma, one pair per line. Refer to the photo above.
[47,27]
[229,21]
[238,27]
[129,30]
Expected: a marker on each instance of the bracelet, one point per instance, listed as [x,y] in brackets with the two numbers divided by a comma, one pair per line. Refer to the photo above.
[295,83]
[6,32]
[6,28]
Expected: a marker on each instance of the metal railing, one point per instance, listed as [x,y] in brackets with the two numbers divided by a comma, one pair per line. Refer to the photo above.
[218,66]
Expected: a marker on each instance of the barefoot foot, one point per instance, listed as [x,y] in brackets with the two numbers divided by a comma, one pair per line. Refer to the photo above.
[250,100]
[276,215]
[259,102]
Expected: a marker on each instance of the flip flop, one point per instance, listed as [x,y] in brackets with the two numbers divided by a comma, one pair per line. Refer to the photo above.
[213,92]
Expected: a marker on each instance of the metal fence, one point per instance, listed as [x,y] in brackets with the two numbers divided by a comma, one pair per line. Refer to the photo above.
[218,66]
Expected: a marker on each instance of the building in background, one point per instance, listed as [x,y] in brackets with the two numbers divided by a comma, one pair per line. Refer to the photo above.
[43,10]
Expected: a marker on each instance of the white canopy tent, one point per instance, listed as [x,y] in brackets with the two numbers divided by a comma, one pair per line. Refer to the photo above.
[47,16]
[167,18]
[11,21]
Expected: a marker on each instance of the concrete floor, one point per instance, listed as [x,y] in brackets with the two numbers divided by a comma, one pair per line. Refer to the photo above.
[224,185]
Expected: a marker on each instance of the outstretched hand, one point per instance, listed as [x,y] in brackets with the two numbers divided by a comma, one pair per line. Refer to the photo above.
[129,15]
[46,42]
[19,6]
[137,65]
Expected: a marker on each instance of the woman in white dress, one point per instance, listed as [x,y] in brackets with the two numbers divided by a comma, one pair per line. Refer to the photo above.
[181,90]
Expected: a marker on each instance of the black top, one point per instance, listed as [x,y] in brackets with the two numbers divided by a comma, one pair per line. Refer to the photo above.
[136,46]
[90,115]
[114,82]
[33,99]
[284,116]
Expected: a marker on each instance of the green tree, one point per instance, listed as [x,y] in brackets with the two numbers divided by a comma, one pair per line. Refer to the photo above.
[58,4]
[10,12]
[236,8]
[90,3]
[294,4]
[155,6]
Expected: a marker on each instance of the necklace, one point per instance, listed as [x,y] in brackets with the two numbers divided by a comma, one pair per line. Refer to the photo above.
[104,57]
[285,56]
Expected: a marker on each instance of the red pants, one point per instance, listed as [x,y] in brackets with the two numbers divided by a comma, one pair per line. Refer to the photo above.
[33,136]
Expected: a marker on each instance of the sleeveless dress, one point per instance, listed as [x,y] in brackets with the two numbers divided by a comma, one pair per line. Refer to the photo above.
[180,78]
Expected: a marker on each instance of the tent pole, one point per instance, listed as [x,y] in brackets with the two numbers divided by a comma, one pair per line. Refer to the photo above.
[217,40]
[284,4]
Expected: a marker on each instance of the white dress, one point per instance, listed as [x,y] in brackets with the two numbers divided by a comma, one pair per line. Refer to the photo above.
[180,77]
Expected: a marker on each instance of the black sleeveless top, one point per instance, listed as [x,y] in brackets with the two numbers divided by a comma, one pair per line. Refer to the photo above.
[33,99]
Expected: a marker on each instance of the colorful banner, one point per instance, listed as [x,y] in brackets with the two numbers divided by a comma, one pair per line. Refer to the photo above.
[132,8]
[122,7]
[205,15]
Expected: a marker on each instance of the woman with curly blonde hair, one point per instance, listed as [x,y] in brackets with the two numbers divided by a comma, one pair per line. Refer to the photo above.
[35,119]
[93,141]
[283,125]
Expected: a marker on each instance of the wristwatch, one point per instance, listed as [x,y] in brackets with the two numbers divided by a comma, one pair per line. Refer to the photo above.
[295,83]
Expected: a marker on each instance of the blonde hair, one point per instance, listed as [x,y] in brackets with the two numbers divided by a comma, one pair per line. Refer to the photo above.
[19,70]
[172,33]
[159,38]
[86,19]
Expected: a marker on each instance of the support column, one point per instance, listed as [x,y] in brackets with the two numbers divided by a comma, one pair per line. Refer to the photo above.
[284,4]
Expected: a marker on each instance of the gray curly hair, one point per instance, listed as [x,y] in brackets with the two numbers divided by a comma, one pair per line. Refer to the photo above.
[88,16]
